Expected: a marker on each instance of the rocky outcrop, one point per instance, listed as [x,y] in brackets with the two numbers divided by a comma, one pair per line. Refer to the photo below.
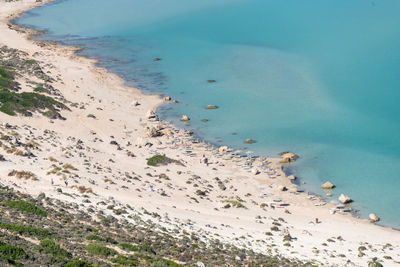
[288,157]
[328,185]
[345,199]
[153,132]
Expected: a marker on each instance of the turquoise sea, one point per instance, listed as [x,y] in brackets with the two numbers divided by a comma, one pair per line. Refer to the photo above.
[320,78]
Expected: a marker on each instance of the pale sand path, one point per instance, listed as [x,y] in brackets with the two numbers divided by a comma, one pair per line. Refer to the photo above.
[83,83]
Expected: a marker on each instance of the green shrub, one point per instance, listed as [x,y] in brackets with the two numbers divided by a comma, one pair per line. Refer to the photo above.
[235,203]
[100,250]
[128,247]
[25,230]
[26,102]
[78,263]
[126,261]
[159,160]
[10,252]
[50,247]
[26,207]
[6,78]
[101,239]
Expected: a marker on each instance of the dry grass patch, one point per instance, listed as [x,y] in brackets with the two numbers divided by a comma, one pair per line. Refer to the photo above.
[83,189]
[15,151]
[23,175]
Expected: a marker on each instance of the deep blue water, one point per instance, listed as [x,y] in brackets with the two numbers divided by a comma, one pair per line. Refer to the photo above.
[320,78]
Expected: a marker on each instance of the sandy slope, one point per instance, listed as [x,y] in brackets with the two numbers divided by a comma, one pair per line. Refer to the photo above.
[118,178]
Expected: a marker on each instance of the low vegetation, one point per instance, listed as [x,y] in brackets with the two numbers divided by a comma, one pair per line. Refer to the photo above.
[27,102]
[159,160]
[71,237]
[25,207]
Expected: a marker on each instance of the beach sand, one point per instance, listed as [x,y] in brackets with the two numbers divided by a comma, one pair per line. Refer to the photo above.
[107,152]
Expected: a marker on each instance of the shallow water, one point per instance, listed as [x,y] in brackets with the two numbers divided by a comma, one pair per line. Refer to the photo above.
[316,77]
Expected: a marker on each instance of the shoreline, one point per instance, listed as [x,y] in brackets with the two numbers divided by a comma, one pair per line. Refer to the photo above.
[153,101]
[96,64]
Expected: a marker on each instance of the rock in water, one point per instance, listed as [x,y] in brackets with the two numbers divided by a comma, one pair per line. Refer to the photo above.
[292,178]
[373,217]
[345,199]
[211,81]
[211,107]
[167,98]
[185,118]
[249,141]
[328,185]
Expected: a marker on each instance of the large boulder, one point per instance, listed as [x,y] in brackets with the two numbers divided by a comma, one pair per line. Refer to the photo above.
[328,185]
[288,157]
[373,217]
[345,199]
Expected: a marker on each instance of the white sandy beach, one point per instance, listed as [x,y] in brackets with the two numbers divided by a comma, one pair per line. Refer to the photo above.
[189,198]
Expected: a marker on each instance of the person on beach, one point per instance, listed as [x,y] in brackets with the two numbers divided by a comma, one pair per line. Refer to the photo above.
[66,183]
[52,182]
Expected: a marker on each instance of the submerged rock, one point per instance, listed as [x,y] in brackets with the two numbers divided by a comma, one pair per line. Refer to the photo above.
[328,185]
[249,141]
[211,81]
[211,107]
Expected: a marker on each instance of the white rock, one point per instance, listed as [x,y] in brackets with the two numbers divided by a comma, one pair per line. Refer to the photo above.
[373,217]
[345,199]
